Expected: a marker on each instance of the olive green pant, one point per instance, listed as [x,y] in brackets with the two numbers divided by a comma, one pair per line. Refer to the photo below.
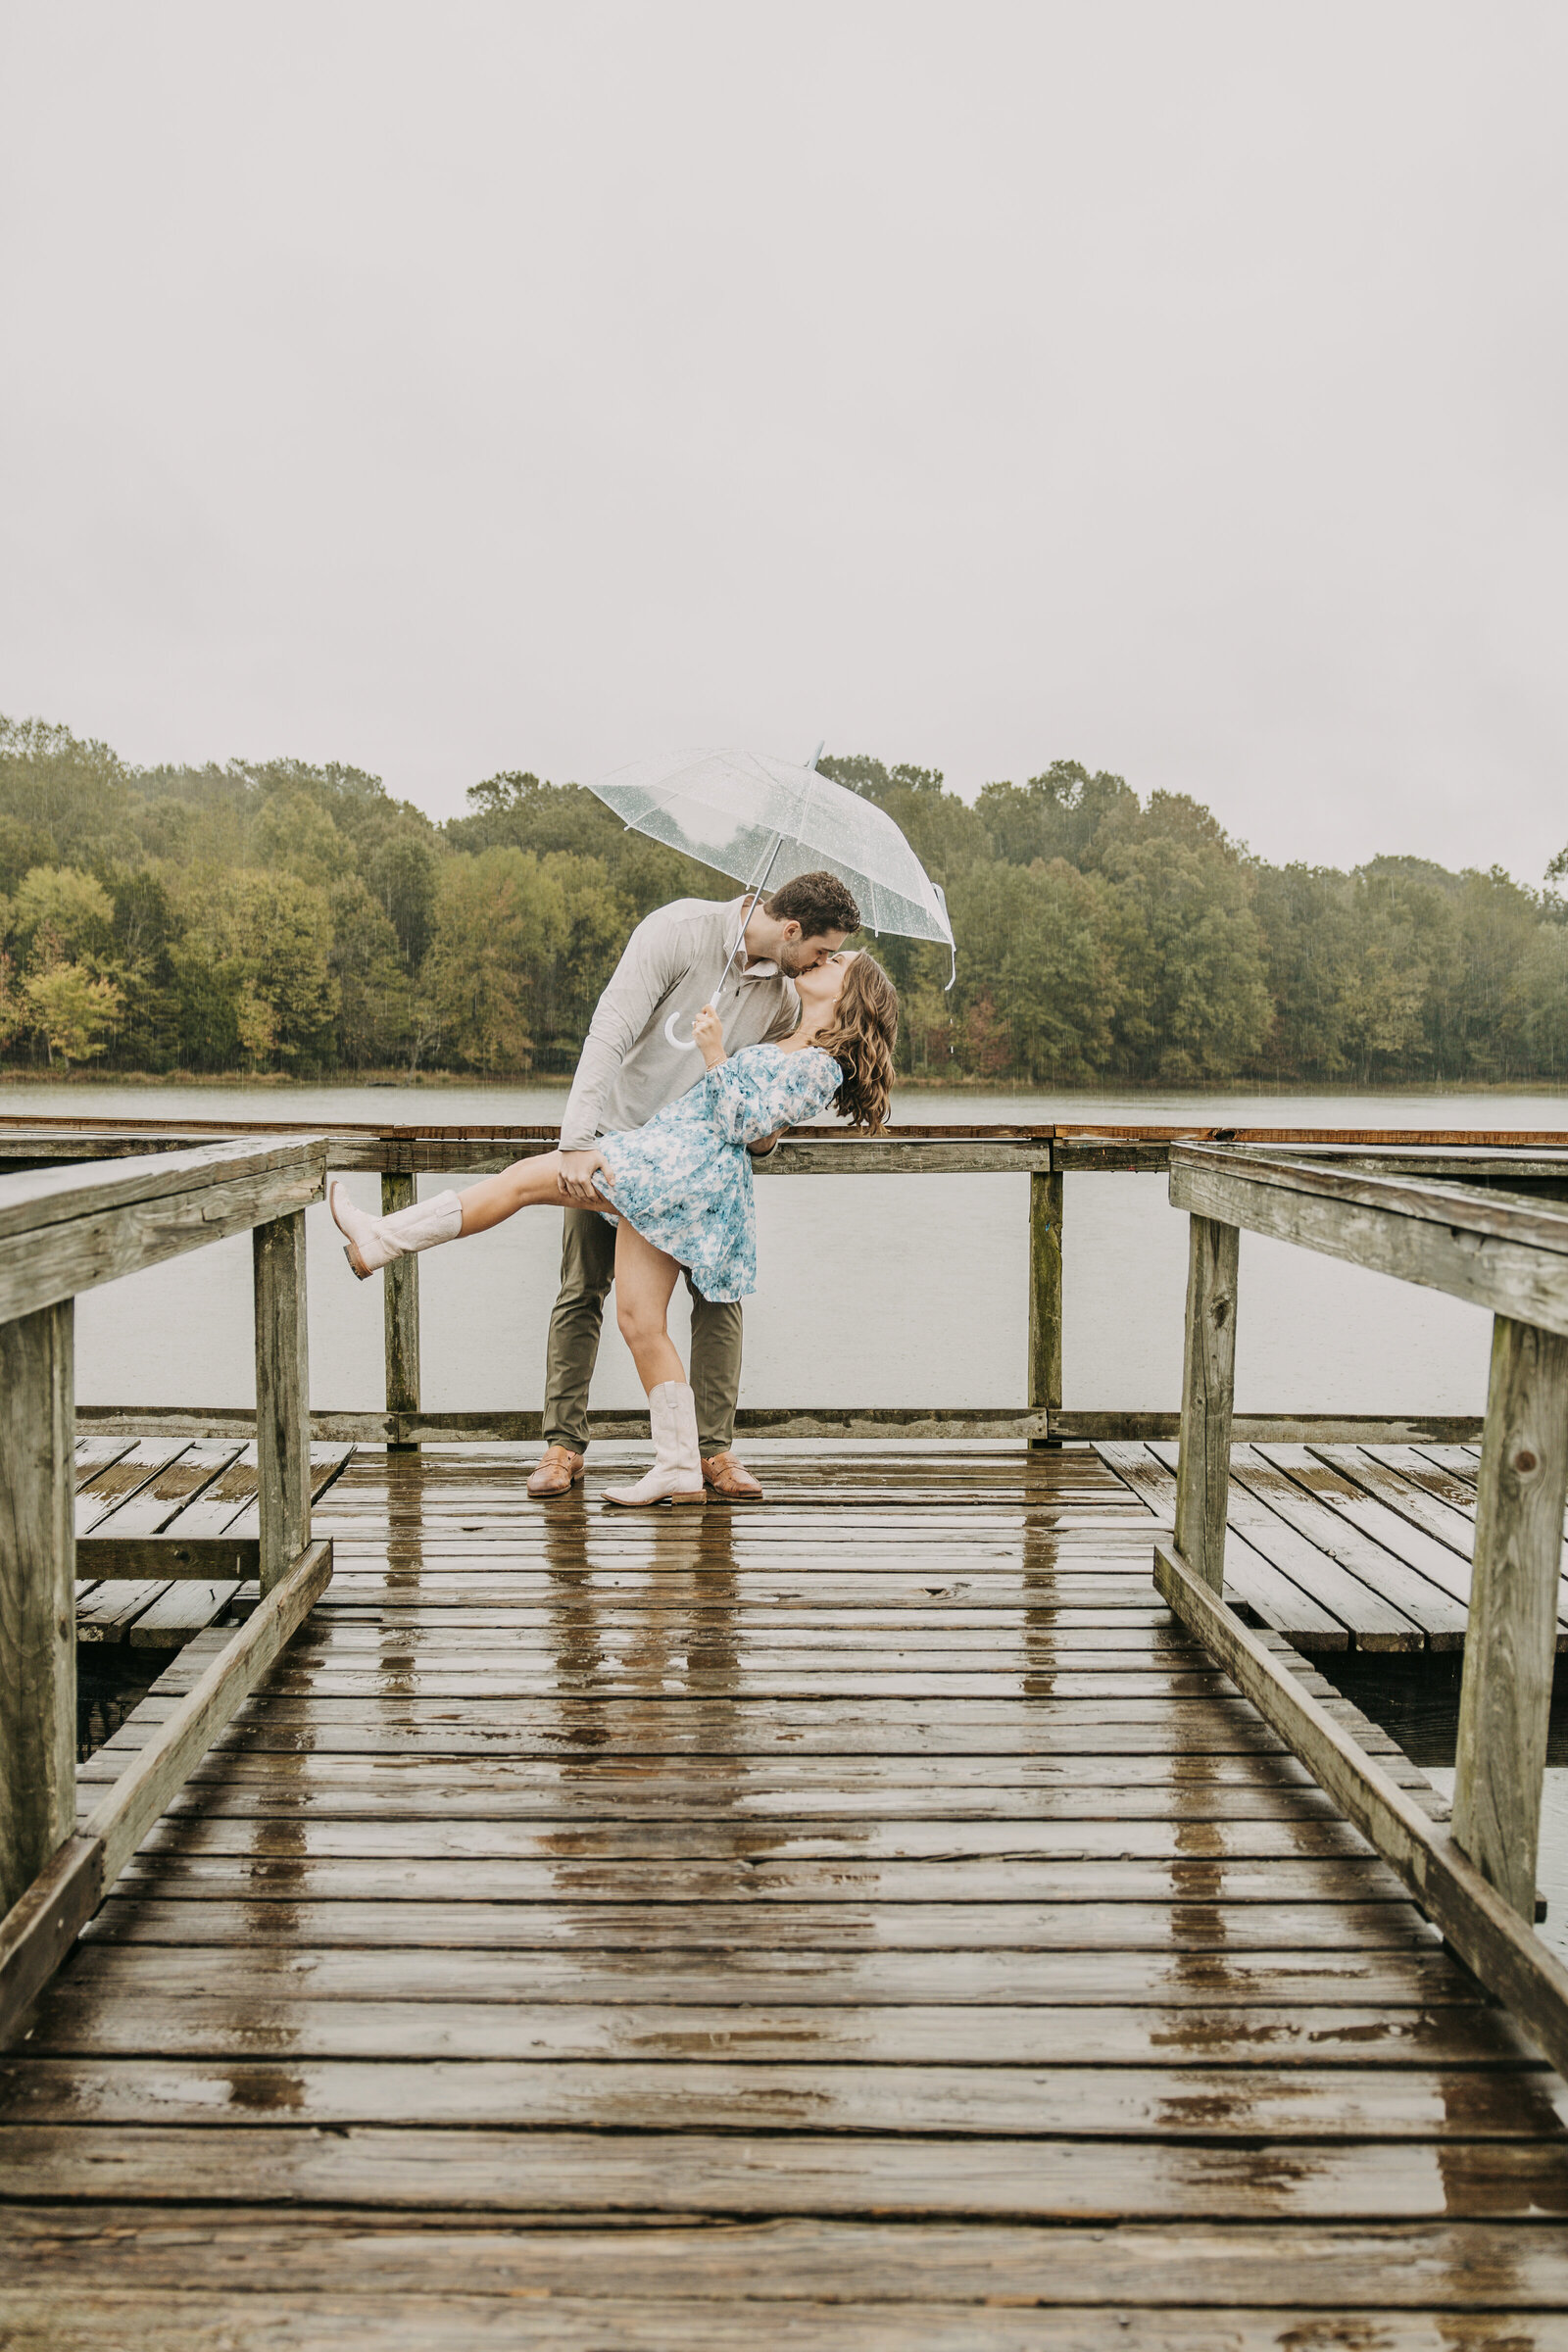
[587,1270]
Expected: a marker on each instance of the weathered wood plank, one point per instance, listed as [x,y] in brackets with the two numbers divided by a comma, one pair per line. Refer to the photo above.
[151,1509]
[1212,2265]
[1168,2104]
[1490,1936]
[1045,1291]
[1208,1397]
[1196,1924]
[1222,1987]
[586,2321]
[282,1394]
[62,1898]
[1505,1699]
[1251,1577]
[86,2015]
[63,1259]
[32,1202]
[1475,1246]
[802,2172]
[1418,1599]
[37,1615]
[162,1557]
[400,1301]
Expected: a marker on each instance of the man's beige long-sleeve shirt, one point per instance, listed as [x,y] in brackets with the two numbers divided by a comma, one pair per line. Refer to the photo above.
[672,964]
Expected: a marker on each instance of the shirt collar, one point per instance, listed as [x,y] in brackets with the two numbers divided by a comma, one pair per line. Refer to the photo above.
[758,967]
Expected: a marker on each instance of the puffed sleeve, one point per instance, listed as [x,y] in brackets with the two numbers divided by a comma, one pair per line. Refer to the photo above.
[732,1105]
[809,1085]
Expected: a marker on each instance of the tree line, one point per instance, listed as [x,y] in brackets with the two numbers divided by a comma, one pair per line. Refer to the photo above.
[284,917]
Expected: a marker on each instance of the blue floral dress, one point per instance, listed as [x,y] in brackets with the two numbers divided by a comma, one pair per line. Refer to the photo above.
[685,1179]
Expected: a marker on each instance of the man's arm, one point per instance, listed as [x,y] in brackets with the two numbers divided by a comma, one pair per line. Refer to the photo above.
[635,989]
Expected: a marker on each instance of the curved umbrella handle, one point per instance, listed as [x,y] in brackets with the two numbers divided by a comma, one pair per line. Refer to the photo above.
[682,1043]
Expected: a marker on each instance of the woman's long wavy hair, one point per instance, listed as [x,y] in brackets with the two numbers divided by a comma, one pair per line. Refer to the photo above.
[861,1039]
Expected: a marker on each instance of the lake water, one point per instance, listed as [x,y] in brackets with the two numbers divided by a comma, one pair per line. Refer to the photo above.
[896,1290]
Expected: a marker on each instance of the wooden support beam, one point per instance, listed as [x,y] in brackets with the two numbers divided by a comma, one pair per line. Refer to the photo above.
[1045,1295]
[39,1929]
[1510,1645]
[1208,1397]
[1498,1251]
[193,1557]
[400,1298]
[1485,1930]
[38,1609]
[48,1253]
[282,1394]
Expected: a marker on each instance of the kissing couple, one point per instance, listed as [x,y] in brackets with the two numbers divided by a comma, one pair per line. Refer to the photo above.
[655,1161]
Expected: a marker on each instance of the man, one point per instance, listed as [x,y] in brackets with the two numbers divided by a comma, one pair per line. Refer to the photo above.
[673,966]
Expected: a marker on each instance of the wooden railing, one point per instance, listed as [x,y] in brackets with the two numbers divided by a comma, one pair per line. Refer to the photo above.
[62,1230]
[1477,1880]
[1531,1164]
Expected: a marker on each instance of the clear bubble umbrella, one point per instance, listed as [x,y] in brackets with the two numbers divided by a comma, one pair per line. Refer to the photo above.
[763,822]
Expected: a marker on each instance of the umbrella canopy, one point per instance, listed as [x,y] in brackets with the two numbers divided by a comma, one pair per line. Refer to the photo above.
[765,822]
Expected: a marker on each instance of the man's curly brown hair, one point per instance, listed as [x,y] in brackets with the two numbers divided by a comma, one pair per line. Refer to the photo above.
[820,903]
[861,1038]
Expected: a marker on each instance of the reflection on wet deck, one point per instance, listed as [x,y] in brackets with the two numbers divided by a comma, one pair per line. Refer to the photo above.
[599,1925]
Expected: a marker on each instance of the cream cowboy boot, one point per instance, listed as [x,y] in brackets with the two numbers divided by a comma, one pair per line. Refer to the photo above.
[375,1242]
[678,1472]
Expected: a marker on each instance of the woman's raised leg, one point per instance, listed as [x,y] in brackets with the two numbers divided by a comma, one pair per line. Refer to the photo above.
[526,1184]
[373,1241]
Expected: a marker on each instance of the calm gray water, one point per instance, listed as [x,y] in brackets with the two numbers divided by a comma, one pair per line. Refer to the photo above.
[873,1290]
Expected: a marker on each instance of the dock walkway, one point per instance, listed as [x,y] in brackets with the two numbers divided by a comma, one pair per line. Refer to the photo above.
[865,1920]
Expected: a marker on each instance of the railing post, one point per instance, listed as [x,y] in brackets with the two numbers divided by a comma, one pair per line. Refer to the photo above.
[1045,1295]
[37,1599]
[282,1394]
[1510,1642]
[1208,1398]
[400,1294]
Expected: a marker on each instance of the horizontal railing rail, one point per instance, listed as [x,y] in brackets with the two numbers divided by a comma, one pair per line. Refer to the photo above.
[400,1153]
[1477,1880]
[64,1231]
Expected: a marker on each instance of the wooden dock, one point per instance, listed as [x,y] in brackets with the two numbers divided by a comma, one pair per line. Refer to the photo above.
[869,1920]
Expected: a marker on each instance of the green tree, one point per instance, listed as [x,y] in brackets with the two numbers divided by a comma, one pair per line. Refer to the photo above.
[252,969]
[74,1010]
[499,920]
[374,996]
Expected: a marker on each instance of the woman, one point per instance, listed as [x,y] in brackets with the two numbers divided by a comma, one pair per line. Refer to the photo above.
[680,1187]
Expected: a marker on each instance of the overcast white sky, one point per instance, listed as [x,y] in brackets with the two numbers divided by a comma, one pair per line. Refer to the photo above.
[1178,385]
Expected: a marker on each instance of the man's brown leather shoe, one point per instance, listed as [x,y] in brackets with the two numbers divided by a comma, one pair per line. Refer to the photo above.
[730,1478]
[557,1472]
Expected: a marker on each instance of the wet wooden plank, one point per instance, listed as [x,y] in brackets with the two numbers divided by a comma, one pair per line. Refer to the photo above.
[965,1878]
[1433,1607]
[1208,2265]
[887,1851]
[569,2321]
[1398,1980]
[115,1482]
[1196,1923]
[792,2173]
[154,1504]
[1168,2104]
[87,2019]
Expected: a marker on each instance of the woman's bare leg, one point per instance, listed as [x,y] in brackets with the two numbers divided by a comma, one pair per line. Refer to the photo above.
[645,1277]
[526,1184]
